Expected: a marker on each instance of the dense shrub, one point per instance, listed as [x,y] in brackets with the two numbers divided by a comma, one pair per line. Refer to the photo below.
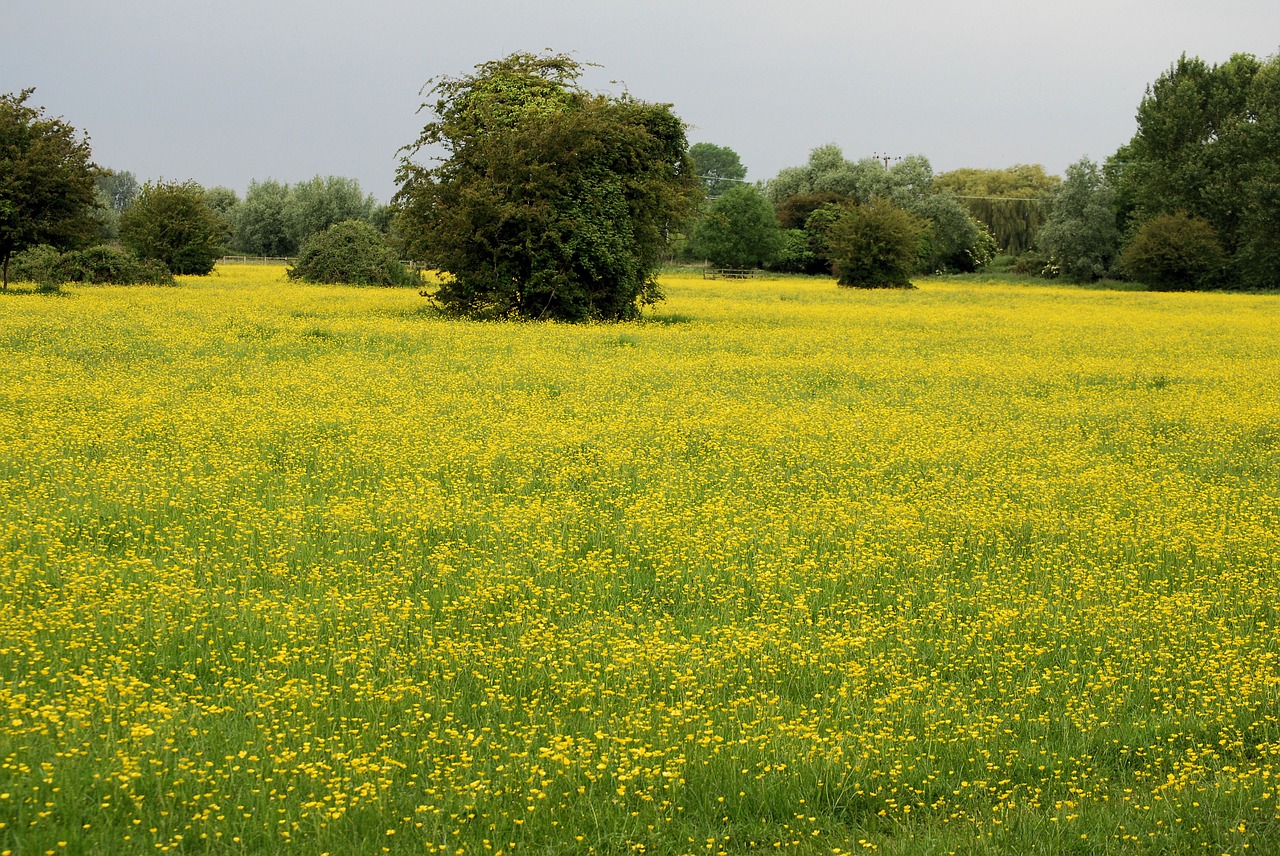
[1175,253]
[797,255]
[110,265]
[99,265]
[351,251]
[38,265]
[875,245]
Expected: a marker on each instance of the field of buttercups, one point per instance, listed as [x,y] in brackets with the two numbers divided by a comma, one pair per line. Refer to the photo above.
[780,568]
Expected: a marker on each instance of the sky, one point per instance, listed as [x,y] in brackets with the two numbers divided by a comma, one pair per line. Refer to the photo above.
[235,90]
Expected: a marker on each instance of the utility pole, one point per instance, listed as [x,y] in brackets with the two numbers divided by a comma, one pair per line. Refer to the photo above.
[885,158]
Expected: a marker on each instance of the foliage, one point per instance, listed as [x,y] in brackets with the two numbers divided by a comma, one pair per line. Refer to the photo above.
[47,192]
[102,264]
[794,211]
[738,230]
[114,192]
[276,219]
[260,227]
[955,241]
[875,245]
[1208,144]
[1010,202]
[797,255]
[1174,252]
[351,252]
[116,188]
[315,205]
[174,223]
[549,202]
[718,167]
[1080,237]
[38,264]
[105,264]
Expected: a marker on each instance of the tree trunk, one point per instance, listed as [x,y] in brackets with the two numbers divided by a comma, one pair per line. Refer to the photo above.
[6,273]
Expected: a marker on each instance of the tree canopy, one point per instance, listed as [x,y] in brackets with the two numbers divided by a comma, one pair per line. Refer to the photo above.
[47,190]
[952,240]
[1208,145]
[547,201]
[718,167]
[1010,202]
[1080,237]
[174,223]
[738,230]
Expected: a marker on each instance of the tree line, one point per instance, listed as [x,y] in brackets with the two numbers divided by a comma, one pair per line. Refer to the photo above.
[542,199]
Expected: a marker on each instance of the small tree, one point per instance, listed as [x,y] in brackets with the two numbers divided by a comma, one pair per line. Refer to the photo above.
[174,223]
[1175,253]
[47,193]
[1080,237]
[738,230]
[875,245]
[550,202]
[352,252]
[260,228]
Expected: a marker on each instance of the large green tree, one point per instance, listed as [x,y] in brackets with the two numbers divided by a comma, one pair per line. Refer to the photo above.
[738,230]
[174,223]
[1208,145]
[718,167]
[47,192]
[547,201]
[315,205]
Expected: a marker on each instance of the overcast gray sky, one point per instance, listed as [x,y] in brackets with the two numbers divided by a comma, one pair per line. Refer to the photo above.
[224,92]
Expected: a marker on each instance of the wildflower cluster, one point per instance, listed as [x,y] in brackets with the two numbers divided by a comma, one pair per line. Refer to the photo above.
[783,566]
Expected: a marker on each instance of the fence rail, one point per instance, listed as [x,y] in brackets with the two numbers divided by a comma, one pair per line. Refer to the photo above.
[257,260]
[730,273]
[288,260]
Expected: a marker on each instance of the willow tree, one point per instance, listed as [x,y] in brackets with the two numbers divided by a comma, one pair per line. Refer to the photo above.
[1011,202]
[543,200]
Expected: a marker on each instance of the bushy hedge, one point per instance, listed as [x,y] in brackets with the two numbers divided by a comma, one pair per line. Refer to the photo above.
[352,252]
[1175,253]
[104,264]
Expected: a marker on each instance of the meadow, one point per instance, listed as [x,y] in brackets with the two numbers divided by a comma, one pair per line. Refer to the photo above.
[780,568]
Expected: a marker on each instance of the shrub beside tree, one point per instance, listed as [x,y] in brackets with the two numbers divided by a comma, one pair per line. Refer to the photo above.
[874,245]
[1208,145]
[350,252]
[954,241]
[174,223]
[1175,252]
[47,191]
[550,201]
